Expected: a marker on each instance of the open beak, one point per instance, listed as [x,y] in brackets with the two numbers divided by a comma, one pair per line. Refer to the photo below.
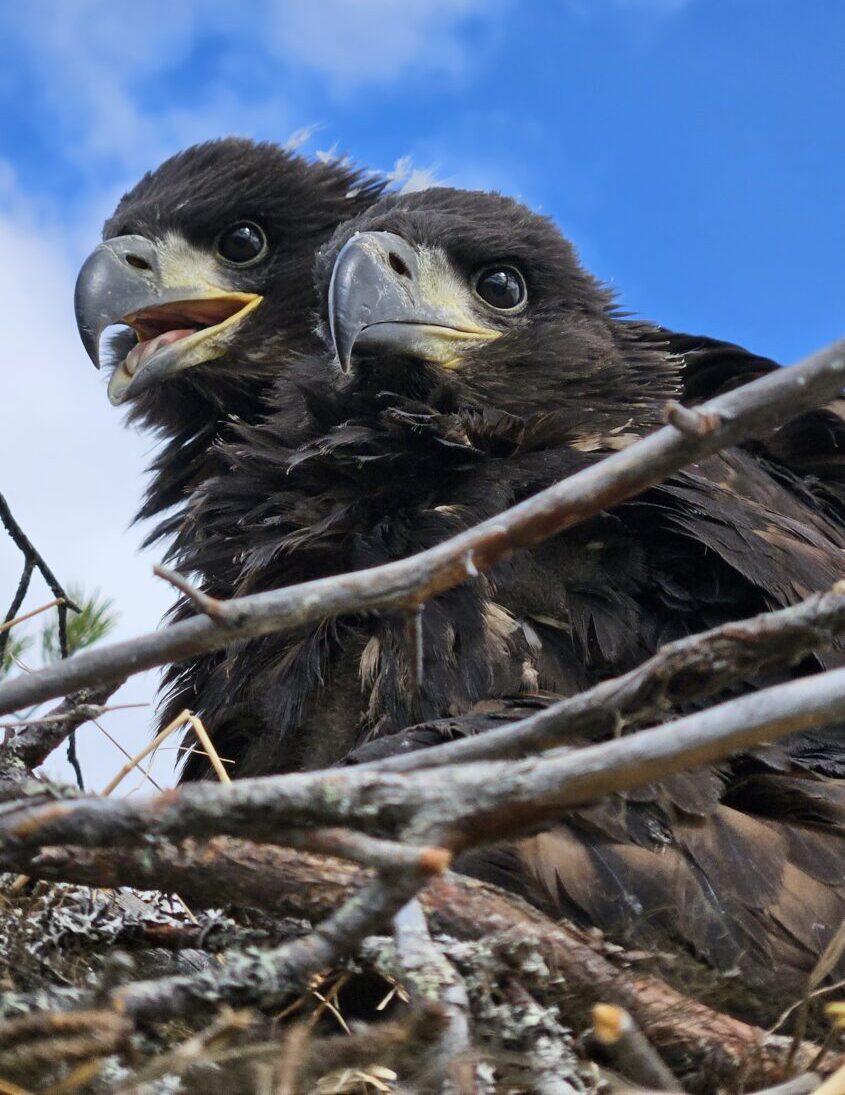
[385,296]
[176,326]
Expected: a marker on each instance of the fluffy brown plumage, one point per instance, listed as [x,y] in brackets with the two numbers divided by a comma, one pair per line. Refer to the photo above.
[739,864]
[181,209]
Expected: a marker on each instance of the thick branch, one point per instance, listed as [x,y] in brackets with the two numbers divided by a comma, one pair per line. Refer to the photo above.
[752,410]
[293,884]
[689,669]
[36,740]
[459,807]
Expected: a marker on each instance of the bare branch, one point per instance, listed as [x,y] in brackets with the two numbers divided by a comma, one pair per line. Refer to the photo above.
[33,560]
[428,976]
[690,420]
[368,851]
[209,606]
[752,410]
[465,805]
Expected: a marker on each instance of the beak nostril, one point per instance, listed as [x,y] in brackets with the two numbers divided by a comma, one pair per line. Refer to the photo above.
[138,262]
[398,265]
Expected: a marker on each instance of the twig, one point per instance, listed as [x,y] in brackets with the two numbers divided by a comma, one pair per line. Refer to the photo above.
[89,711]
[463,806]
[826,964]
[367,851]
[33,560]
[785,1014]
[208,745]
[628,1050]
[33,556]
[145,772]
[692,668]
[416,653]
[179,1059]
[150,747]
[209,606]
[17,600]
[754,409]
[690,420]
[9,624]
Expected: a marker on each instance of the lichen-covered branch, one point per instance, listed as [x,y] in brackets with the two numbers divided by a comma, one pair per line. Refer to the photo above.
[267,977]
[691,1035]
[26,748]
[428,977]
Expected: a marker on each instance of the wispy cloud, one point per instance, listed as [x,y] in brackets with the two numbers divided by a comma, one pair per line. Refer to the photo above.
[95,64]
[365,42]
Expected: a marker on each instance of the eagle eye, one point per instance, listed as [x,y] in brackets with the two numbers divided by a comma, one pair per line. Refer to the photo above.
[242,244]
[502,287]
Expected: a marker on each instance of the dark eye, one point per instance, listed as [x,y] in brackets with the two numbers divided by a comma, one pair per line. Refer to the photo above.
[242,244]
[501,287]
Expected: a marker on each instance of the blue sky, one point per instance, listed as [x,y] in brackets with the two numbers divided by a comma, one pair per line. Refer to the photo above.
[694,150]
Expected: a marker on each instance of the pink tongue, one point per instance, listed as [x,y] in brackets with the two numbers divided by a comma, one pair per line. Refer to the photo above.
[144,350]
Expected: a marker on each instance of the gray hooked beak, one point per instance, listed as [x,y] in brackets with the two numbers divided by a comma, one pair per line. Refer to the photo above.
[177,325]
[383,298]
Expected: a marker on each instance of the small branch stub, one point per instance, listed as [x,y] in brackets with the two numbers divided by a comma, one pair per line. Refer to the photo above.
[210,606]
[628,1049]
[689,421]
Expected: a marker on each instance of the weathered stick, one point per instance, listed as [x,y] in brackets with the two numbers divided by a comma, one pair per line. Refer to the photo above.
[458,807]
[294,884]
[30,746]
[429,977]
[629,1050]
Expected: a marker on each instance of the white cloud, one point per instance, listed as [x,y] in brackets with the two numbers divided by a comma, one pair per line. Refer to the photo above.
[95,61]
[71,472]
